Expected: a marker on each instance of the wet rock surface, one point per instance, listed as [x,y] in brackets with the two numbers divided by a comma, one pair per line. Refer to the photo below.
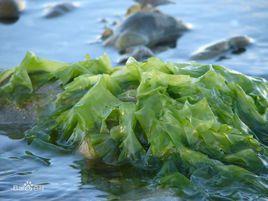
[106,33]
[234,45]
[12,114]
[147,28]
[143,32]
[59,9]
[140,53]
[27,112]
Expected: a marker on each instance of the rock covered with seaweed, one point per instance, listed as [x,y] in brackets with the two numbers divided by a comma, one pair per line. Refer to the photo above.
[200,128]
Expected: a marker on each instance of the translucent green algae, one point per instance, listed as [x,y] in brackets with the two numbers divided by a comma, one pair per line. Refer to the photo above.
[202,129]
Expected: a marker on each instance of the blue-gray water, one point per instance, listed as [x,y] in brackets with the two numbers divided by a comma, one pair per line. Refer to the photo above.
[69,38]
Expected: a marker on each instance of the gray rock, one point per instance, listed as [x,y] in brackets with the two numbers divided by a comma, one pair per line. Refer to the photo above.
[140,53]
[59,9]
[234,45]
[12,114]
[27,113]
[149,29]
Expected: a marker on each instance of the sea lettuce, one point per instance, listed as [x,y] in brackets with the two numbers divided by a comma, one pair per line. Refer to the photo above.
[203,129]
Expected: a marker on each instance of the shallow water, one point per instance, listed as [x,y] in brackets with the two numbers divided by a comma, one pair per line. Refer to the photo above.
[62,175]
[69,38]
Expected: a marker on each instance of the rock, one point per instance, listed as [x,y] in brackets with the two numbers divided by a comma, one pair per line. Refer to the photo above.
[114,23]
[149,29]
[153,3]
[103,20]
[146,6]
[106,33]
[139,8]
[59,9]
[12,114]
[28,112]
[145,27]
[9,9]
[140,53]
[133,9]
[235,45]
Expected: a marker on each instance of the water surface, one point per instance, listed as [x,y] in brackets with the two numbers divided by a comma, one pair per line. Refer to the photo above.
[70,37]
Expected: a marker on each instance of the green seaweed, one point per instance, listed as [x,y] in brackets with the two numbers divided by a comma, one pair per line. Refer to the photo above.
[203,129]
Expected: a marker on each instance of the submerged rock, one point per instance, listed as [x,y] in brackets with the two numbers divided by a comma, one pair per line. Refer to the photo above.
[147,28]
[10,10]
[12,114]
[28,112]
[235,45]
[59,9]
